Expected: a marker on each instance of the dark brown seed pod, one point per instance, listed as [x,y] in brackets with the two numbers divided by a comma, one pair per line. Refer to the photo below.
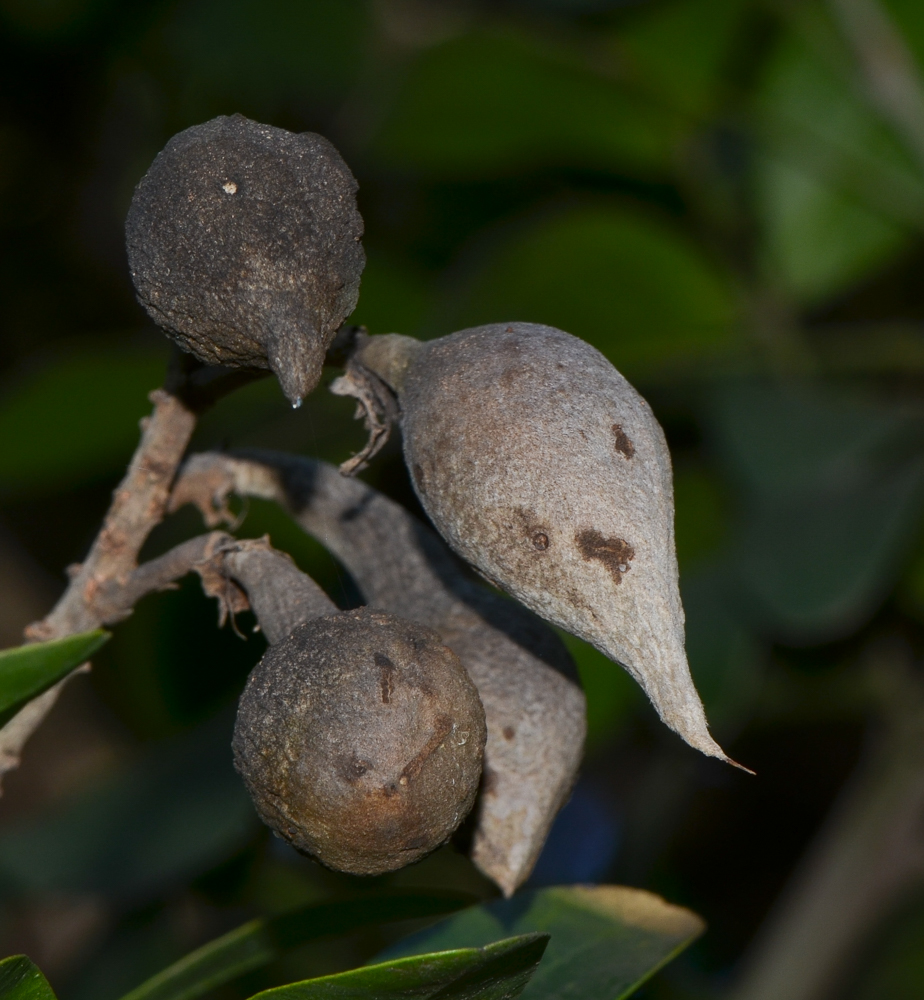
[244,246]
[542,466]
[360,738]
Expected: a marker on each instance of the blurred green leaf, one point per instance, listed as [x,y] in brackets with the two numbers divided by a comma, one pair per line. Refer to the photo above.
[393,297]
[605,940]
[20,979]
[897,960]
[261,941]
[258,55]
[837,193]
[725,658]
[27,671]
[832,485]
[633,287]
[498,971]
[496,103]
[908,16]
[50,19]
[681,50]
[612,695]
[74,418]
[176,813]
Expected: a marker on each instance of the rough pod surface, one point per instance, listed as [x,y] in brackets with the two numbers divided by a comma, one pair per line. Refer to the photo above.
[542,466]
[243,244]
[360,738]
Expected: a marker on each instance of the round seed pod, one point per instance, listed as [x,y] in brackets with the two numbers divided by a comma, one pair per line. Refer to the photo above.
[542,467]
[244,246]
[360,738]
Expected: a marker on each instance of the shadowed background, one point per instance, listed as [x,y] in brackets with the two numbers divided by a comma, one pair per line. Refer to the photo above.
[722,197]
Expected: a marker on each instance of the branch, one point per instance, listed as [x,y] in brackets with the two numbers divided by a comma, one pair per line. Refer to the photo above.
[867,859]
[535,710]
[138,505]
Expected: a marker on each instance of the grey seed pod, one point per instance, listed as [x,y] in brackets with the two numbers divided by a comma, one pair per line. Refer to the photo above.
[360,738]
[527,682]
[244,246]
[542,466]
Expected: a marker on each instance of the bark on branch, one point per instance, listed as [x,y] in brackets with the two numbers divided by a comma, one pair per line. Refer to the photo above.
[138,505]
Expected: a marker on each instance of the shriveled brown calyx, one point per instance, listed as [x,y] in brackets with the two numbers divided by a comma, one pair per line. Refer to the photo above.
[541,466]
[244,246]
[534,707]
[360,738]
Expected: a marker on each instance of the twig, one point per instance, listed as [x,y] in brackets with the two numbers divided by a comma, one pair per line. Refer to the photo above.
[534,708]
[889,68]
[867,859]
[138,505]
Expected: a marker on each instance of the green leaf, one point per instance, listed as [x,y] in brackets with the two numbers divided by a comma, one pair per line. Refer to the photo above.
[261,941]
[605,940]
[74,418]
[632,286]
[837,192]
[832,484]
[27,671]
[682,50]
[497,971]
[20,979]
[174,814]
[490,104]
[254,55]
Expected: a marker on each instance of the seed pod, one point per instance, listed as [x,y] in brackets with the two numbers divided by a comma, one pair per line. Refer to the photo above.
[541,466]
[360,738]
[527,682]
[243,244]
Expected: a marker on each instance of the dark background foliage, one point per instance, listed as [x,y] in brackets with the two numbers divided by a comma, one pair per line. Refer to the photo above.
[703,189]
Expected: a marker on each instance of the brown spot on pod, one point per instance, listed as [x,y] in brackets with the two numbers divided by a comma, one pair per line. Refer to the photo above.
[622,443]
[345,740]
[614,553]
[243,245]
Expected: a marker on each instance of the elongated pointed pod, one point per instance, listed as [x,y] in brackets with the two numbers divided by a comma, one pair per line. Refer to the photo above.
[542,466]
[359,735]
[533,705]
[243,244]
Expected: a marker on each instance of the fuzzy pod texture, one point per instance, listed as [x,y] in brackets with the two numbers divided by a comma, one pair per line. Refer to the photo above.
[542,467]
[360,738]
[244,246]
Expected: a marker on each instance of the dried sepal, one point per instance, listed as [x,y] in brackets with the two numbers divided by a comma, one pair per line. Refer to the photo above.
[375,405]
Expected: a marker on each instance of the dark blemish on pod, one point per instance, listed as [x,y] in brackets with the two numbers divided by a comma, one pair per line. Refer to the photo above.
[388,671]
[437,738]
[509,732]
[419,477]
[614,553]
[354,769]
[540,541]
[623,445]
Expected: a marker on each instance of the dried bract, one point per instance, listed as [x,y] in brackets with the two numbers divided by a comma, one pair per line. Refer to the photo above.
[244,246]
[540,465]
[360,738]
